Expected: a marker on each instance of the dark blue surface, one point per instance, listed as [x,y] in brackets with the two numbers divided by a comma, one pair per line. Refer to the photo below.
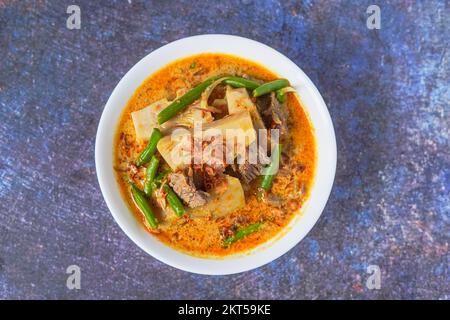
[388,94]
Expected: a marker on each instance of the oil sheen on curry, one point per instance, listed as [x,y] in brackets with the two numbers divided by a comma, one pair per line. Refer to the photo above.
[215,154]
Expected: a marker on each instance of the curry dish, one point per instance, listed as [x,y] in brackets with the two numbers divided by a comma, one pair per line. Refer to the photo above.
[181,176]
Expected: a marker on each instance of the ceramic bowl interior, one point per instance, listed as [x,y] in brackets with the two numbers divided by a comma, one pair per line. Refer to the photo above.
[315,107]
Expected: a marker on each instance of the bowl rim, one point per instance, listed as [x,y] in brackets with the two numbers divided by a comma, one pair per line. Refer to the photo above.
[315,107]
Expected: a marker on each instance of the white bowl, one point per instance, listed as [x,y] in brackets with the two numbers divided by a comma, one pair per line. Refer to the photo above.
[312,101]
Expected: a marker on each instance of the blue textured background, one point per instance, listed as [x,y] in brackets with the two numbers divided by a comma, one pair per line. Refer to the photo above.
[387,91]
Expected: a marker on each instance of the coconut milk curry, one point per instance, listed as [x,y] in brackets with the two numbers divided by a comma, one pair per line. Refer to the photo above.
[215,208]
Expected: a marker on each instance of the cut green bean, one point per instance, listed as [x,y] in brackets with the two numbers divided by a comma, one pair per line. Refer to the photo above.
[171,197]
[157,182]
[161,176]
[270,86]
[281,96]
[242,233]
[149,151]
[142,202]
[181,103]
[173,200]
[271,169]
[238,82]
[150,174]
[281,93]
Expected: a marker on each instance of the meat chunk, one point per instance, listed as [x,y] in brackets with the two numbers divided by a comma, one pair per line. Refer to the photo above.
[249,170]
[272,112]
[207,177]
[226,232]
[184,187]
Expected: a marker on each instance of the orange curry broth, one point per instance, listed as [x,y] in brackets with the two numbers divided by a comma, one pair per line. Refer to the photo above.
[200,236]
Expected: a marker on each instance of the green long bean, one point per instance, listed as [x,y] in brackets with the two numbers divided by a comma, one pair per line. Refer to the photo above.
[270,86]
[242,234]
[141,201]
[171,197]
[181,103]
[161,176]
[150,174]
[238,82]
[174,202]
[281,95]
[270,170]
[149,151]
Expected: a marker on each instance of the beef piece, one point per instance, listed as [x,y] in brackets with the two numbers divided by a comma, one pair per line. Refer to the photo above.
[196,172]
[184,187]
[249,171]
[213,178]
[207,177]
[226,232]
[208,173]
[272,112]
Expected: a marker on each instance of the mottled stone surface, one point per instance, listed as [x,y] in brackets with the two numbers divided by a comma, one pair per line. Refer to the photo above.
[388,94]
